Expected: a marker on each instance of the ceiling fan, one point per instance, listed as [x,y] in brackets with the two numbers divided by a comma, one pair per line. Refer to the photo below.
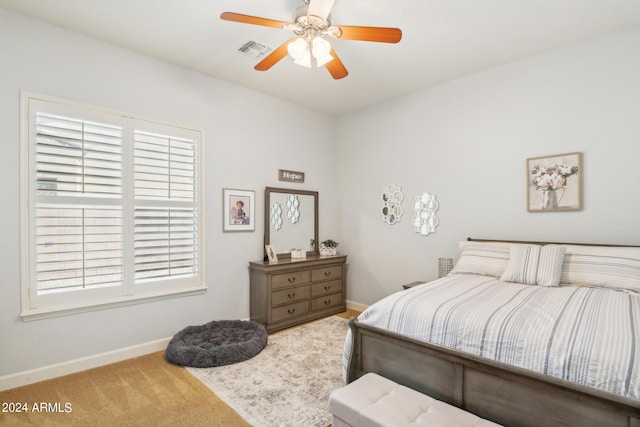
[311,26]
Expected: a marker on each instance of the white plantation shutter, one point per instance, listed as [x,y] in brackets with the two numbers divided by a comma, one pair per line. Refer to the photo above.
[78,240]
[78,247]
[112,207]
[166,225]
[77,157]
[165,167]
[166,243]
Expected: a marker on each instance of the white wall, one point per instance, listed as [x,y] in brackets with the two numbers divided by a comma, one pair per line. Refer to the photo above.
[245,146]
[467,141]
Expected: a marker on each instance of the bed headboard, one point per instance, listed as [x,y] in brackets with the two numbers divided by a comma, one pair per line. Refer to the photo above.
[526,242]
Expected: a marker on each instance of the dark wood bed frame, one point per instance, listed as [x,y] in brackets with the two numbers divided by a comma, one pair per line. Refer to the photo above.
[493,390]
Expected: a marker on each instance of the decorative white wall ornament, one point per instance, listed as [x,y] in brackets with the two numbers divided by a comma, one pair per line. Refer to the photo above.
[292,208]
[425,207]
[391,199]
[276,216]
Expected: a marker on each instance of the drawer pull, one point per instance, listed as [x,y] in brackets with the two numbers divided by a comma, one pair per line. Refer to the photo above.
[327,273]
[291,295]
[291,310]
[291,279]
[327,302]
[327,288]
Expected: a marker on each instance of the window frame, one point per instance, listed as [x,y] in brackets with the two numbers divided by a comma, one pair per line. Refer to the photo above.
[34,306]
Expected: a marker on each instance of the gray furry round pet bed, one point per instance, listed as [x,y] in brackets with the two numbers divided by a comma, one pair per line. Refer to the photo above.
[217,343]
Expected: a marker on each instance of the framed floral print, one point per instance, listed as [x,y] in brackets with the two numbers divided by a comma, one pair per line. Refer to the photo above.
[554,183]
[238,212]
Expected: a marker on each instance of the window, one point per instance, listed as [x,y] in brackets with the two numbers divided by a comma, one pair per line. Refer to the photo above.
[112,208]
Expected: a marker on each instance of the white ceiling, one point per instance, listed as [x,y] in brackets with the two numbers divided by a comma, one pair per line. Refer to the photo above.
[442,39]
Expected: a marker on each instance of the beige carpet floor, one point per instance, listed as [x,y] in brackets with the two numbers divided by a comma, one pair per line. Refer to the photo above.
[144,391]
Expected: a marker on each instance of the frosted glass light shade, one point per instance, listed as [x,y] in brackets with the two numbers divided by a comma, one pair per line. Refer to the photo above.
[301,50]
[297,49]
[304,60]
[320,47]
[321,50]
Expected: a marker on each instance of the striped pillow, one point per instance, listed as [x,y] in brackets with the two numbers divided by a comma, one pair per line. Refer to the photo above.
[486,258]
[610,267]
[534,265]
[550,265]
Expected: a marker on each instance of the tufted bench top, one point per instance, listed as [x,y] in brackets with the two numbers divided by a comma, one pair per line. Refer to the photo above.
[372,400]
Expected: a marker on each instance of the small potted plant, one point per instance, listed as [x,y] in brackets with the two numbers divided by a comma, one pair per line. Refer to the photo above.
[328,247]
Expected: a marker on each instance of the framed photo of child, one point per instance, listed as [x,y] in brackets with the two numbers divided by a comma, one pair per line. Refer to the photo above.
[238,210]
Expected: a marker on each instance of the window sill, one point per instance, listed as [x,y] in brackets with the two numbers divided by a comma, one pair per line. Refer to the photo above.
[49,312]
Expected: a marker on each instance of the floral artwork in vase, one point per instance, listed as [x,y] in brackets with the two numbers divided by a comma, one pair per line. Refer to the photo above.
[554,183]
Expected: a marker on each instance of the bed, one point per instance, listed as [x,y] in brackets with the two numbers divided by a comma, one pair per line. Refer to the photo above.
[521,333]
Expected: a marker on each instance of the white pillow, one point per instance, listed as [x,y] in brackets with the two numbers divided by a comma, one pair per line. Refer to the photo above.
[534,265]
[610,267]
[484,258]
[550,265]
[523,264]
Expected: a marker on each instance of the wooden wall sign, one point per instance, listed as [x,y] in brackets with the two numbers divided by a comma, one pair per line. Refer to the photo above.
[290,176]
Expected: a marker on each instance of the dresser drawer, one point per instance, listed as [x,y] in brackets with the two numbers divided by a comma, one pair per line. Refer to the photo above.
[289,295]
[289,311]
[318,274]
[289,279]
[326,301]
[326,287]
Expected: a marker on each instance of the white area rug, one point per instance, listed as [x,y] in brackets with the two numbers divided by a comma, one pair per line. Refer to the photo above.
[289,382]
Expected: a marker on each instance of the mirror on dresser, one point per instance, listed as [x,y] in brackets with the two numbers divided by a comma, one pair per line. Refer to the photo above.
[291,220]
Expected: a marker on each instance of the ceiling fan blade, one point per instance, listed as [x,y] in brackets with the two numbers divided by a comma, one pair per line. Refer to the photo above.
[336,67]
[370,34]
[320,8]
[274,57]
[255,20]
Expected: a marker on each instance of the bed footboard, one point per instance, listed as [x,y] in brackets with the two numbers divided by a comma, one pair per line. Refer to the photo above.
[502,393]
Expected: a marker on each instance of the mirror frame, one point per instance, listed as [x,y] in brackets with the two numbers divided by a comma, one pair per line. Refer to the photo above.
[267,216]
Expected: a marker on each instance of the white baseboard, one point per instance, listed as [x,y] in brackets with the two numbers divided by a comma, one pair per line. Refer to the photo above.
[71,367]
[352,305]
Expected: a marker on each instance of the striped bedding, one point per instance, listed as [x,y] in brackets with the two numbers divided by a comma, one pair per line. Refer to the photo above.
[586,335]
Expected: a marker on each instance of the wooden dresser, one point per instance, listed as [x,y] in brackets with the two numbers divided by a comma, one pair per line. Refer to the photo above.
[294,291]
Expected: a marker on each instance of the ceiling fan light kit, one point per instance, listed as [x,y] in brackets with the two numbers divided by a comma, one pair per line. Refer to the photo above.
[305,52]
[311,24]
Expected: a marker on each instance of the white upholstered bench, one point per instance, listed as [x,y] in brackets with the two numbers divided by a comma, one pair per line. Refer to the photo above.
[372,400]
